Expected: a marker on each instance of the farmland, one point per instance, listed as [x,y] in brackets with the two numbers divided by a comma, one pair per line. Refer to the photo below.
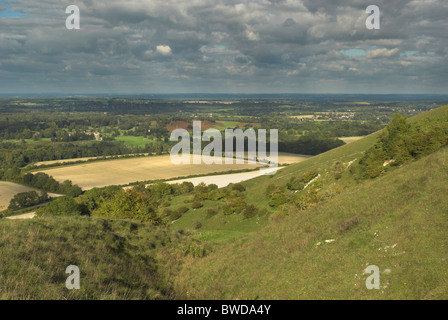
[8,190]
[121,172]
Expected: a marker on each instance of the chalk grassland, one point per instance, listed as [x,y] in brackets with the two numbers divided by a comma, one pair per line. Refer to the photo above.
[119,172]
[8,190]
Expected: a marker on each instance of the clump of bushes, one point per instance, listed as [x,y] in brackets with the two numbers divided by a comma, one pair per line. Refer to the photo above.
[250,211]
[234,205]
[401,142]
[63,206]
[237,187]
[196,205]
[298,183]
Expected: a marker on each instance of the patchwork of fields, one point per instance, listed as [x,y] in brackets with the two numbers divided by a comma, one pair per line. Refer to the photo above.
[119,172]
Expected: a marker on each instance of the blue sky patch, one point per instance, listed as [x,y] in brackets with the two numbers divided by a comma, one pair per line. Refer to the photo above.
[409,53]
[353,52]
[8,13]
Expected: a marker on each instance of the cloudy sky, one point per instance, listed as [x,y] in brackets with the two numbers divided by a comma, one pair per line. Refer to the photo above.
[224,46]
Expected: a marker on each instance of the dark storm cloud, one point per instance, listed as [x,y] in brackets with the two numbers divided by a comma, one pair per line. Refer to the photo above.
[225,45]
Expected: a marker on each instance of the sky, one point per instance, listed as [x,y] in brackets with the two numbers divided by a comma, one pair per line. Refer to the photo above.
[224,46]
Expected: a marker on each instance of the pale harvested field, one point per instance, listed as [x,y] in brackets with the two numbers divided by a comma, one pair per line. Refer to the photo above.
[8,190]
[118,172]
[289,158]
[76,160]
[25,216]
[224,180]
[350,139]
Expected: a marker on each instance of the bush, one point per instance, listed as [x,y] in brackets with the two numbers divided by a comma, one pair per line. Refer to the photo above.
[197,205]
[24,199]
[234,205]
[238,187]
[182,210]
[250,211]
[63,206]
[278,198]
[175,215]
[295,184]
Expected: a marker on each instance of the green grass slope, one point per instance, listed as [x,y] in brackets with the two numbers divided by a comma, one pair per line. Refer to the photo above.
[117,259]
[397,222]
[223,228]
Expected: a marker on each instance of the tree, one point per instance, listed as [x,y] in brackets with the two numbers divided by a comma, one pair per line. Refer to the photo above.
[63,206]
[23,200]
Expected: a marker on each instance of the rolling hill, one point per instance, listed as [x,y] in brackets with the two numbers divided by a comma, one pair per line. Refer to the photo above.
[319,224]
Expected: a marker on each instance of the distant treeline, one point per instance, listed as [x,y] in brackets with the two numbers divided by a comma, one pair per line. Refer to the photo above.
[20,155]
[40,181]
[309,145]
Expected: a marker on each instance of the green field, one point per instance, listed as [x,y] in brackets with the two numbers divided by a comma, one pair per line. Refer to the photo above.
[134,141]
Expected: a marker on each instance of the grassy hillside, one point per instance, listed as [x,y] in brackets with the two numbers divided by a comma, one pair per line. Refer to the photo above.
[397,222]
[117,259]
[317,225]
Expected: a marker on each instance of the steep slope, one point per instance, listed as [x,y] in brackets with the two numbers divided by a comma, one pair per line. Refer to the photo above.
[117,259]
[397,222]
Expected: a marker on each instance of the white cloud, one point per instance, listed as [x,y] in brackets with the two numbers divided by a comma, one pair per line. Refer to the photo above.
[164,50]
[382,53]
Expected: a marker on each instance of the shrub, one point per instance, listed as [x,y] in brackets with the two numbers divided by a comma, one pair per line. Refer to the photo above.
[182,210]
[278,198]
[238,187]
[63,206]
[24,199]
[167,212]
[234,205]
[295,184]
[197,205]
[250,211]
[175,215]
